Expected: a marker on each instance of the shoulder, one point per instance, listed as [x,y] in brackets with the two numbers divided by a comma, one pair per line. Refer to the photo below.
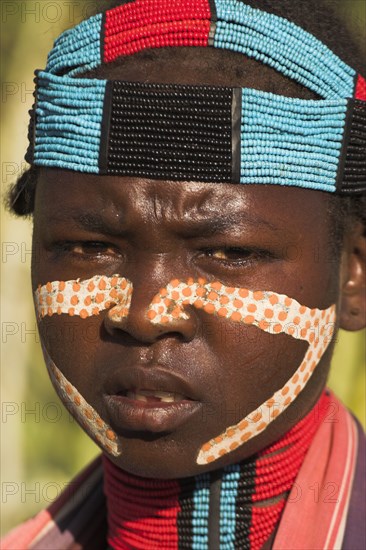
[355,532]
[77,519]
[331,486]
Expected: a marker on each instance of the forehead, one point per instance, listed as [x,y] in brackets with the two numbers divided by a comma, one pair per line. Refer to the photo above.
[123,201]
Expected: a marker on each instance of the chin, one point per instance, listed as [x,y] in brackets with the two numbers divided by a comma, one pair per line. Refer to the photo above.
[158,461]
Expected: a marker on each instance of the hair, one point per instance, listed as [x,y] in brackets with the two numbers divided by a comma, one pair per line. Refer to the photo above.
[315,16]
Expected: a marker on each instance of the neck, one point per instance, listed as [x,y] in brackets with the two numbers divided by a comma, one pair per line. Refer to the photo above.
[237,506]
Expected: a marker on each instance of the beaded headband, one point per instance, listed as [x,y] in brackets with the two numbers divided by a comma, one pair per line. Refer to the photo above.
[201,133]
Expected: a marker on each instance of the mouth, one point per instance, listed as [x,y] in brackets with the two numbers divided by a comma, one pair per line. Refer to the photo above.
[150,401]
[149,411]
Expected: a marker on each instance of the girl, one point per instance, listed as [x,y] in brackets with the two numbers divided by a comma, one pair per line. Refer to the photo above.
[179,153]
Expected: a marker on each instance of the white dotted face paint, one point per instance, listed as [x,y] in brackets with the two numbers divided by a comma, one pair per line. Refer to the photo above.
[271,312]
[79,408]
[84,299]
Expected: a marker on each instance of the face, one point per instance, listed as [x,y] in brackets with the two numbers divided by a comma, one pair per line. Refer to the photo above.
[150,233]
[111,366]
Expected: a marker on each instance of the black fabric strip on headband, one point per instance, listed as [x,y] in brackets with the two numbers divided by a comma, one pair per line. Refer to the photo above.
[215,508]
[102,34]
[354,171]
[213,22]
[106,124]
[29,156]
[171,132]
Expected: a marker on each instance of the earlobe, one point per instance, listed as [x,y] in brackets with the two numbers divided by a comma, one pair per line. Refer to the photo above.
[353,291]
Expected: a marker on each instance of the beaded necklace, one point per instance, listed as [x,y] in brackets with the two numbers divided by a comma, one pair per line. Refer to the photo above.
[237,507]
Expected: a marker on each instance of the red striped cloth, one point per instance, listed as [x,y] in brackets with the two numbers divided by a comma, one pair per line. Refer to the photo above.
[316,511]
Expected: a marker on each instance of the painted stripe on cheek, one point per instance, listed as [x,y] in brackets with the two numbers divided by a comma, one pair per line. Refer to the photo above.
[271,312]
[80,409]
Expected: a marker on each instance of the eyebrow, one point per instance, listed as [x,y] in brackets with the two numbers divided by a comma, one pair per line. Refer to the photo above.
[205,226]
[218,224]
[90,221]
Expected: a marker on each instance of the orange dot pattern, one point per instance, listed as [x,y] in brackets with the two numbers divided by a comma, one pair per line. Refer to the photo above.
[271,312]
[84,298]
[79,408]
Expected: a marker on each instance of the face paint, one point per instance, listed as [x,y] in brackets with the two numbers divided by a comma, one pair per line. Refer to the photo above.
[84,298]
[79,408]
[271,312]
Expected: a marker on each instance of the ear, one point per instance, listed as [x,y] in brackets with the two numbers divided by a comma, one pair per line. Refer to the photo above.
[353,289]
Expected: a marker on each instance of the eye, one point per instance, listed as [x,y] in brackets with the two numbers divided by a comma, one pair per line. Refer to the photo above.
[86,249]
[231,254]
[92,248]
[236,257]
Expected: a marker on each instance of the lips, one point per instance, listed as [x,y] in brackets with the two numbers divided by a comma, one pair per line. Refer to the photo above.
[149,399]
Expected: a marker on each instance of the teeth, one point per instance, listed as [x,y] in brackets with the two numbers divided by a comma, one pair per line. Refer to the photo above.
[168,399]
[165,397]
[139,397]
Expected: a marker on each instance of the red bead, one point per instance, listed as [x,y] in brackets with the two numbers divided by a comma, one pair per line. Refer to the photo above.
[360,91]
[161,22]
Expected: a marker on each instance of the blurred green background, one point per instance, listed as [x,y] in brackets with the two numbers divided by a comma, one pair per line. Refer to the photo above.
[41,445]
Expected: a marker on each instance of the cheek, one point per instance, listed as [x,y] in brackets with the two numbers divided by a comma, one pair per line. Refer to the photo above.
[249,369]
[243,355]
[255,356]
[70,323]
[83,298]
[267,385]
[72,344]
[70,315]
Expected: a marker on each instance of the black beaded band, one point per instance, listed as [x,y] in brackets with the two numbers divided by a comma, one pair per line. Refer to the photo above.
[171,132]
[244,506]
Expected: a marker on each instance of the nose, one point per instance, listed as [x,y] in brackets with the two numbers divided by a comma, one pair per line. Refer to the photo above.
[151,316]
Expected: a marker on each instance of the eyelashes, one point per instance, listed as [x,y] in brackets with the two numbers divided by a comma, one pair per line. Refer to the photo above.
[232,256]
[86,250]
[91,248]
[226,259]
